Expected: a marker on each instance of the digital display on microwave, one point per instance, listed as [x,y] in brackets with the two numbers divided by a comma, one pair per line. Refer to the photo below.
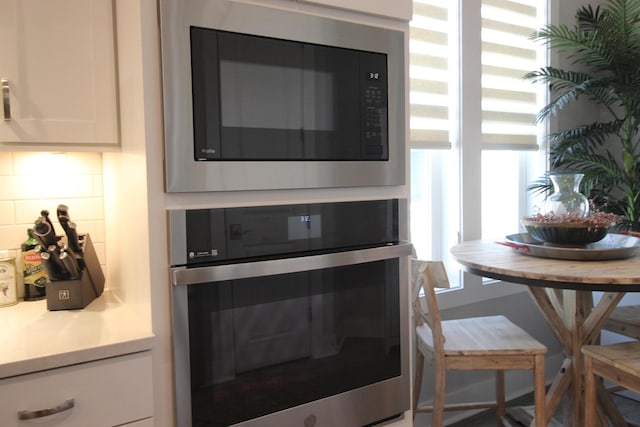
[304,227]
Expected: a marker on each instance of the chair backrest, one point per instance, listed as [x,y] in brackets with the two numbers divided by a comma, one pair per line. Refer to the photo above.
[426,276]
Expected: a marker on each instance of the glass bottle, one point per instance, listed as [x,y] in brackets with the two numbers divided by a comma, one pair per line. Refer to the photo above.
[566,198]
[8,287]
[33,274]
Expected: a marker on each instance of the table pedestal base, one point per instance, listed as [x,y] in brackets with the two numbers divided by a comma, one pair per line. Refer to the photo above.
[576,322]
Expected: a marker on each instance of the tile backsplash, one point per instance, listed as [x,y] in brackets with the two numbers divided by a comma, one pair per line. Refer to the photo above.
[33,181]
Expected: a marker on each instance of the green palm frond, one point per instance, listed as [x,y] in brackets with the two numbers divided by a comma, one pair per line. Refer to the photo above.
[619,21]
[604,167]
[603,50]
[571,85]
[583,139]
[581,47]
[590,19]
[605,40]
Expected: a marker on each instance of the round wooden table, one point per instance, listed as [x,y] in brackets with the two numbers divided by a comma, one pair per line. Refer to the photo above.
[562,290]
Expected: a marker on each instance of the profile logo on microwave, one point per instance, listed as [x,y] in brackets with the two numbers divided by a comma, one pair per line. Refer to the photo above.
[200,254]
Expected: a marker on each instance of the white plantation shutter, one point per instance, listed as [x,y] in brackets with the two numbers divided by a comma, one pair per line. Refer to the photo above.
[429,49]
[467,61]
[509,104]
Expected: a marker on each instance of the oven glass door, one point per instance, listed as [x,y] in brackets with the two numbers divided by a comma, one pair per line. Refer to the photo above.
[260,98]
[260,345]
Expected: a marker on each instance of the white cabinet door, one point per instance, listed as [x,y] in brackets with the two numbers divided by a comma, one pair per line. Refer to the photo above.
[58,73]
[109,392]
[399,9]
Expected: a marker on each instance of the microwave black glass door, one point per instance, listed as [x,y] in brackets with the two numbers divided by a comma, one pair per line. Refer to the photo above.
[260,98]
[262,345]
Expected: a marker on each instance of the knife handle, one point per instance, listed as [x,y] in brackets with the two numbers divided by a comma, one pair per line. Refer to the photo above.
[62,210]
[45,214]
[44,232]
[63,216]
[49,267]
[54,260]
[72,238]
[70,265]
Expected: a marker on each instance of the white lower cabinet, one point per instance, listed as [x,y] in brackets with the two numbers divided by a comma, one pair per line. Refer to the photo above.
[104,393]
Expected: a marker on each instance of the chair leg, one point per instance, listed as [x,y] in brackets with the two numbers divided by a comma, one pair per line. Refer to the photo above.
[500,397]
[439,392]
[589,393]
[417,382]
[539,392]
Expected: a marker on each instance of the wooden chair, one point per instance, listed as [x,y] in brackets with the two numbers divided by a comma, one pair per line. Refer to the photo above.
[619,363]
[624,320]
[482,343]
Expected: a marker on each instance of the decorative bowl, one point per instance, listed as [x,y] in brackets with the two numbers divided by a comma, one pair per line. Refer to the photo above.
[566,233]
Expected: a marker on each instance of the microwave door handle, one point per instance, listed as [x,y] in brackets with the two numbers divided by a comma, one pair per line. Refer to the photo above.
[191,276]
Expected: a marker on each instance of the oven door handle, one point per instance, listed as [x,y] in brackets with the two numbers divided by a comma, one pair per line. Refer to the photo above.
[181,276]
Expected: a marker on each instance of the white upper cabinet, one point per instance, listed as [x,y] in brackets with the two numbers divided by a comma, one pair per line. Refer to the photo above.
[398,9]
[58,73]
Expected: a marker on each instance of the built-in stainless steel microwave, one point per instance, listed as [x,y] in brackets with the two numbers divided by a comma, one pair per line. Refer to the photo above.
[262,98]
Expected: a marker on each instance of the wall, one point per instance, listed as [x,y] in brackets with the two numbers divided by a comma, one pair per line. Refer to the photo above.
[31,182]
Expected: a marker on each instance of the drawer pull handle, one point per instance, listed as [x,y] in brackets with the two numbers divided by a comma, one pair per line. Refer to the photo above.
[40,413]
[6,101]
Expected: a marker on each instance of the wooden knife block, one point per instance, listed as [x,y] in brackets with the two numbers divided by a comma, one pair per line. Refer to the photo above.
[78,293]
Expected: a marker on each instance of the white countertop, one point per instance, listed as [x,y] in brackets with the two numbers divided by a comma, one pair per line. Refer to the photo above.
[34,339]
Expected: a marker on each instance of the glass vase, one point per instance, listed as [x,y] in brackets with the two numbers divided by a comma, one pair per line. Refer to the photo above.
[566,198]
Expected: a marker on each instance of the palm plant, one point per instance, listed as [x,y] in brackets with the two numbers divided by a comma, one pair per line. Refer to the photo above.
[603,49]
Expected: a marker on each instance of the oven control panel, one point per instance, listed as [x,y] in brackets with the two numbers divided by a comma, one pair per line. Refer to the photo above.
[200,236]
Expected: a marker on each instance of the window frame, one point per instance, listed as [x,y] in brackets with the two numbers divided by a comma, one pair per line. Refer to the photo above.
[466,130]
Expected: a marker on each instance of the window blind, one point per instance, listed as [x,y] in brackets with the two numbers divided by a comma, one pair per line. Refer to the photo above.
[509,104]
[429,75]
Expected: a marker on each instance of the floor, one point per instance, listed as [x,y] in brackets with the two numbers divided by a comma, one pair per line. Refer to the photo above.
[629,408]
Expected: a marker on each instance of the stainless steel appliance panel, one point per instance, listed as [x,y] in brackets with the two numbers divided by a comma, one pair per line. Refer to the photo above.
[350,408]
[183,174]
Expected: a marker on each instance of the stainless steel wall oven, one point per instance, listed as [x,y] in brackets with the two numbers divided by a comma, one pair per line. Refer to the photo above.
[291,315]
[262,98]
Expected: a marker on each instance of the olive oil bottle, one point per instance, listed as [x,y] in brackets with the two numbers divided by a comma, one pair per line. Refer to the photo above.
[33,273]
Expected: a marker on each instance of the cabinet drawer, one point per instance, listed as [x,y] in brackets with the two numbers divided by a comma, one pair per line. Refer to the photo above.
[105,393]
